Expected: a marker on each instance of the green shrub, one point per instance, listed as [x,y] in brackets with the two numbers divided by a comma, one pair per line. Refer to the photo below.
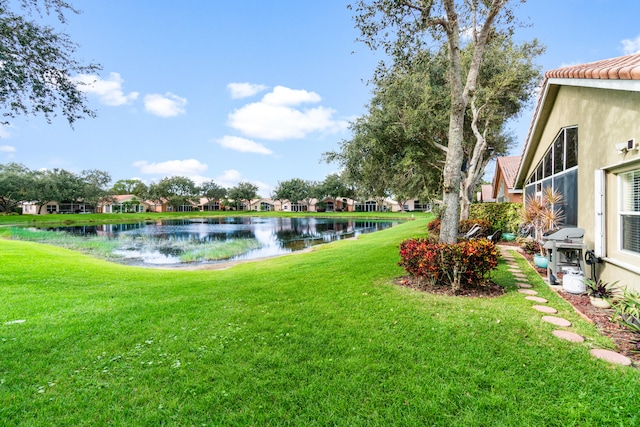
[529,245]
[502,216]
[628,310]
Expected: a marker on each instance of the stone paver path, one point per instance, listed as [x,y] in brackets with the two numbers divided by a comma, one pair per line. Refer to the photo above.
[611,356]
[545,309]
[530,295]
[558,321]
[569,336]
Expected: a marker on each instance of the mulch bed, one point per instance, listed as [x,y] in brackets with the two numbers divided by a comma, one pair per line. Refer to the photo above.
[490,290]
[628,342]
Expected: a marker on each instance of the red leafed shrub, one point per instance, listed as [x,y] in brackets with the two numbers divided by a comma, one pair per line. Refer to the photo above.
[434,227]
[464,264]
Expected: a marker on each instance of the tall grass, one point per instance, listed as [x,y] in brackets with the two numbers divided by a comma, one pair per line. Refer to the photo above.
[318,338]
[105,247]
[99,246]
[221,250]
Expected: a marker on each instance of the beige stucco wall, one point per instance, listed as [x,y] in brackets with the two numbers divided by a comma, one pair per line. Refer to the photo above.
[604,118]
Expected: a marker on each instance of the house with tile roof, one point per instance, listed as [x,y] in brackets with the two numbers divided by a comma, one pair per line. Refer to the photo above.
[583,141]
[124,203]
[486,194]
[504,179]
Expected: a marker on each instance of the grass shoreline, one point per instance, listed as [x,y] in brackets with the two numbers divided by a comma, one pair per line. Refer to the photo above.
[320,338]
[117,218]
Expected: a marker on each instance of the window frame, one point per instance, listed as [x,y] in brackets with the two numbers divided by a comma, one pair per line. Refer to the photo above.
[540,178]
[623,212]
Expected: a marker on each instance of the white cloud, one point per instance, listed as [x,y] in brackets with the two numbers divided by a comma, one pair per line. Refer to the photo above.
[109,91]
[7,149]
[571,64]
[630,46]
[243,145]
[284,96]
[244,90]
[275,118]
[188,168]
[229,178]
[4,131]
[167,105]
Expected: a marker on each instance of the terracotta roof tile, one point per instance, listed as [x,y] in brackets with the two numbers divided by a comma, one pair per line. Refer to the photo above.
[509,166]
[620,68]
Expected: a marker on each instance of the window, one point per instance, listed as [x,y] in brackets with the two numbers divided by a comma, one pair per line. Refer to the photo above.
[558,170]
[501,193]
[630,211]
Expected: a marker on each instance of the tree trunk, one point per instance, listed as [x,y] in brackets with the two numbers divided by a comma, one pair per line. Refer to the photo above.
[452,168]
[451,180]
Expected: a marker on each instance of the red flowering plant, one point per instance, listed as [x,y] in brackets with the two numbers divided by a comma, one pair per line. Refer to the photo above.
[464,264]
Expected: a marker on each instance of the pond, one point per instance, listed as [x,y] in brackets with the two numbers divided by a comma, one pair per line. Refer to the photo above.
[214,240]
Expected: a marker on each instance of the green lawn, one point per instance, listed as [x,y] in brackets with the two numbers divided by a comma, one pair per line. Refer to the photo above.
[318,338]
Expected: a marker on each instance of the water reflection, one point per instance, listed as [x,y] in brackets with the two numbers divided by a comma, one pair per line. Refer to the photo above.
[171,242]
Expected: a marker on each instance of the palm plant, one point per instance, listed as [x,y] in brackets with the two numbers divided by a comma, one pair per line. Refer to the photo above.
[543,213]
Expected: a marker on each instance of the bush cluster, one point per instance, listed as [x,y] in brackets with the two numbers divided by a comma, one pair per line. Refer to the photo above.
[528,245]
[503,216]
[461,265]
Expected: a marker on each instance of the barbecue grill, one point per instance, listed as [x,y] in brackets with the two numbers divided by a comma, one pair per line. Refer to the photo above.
[564,248]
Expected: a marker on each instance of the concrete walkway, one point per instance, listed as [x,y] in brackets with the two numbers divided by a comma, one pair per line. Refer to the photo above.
[548,312]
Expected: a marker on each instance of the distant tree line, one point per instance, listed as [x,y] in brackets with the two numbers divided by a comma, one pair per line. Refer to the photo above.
[19,184]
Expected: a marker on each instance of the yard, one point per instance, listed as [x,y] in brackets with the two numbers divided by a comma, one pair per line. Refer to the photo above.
[317,338]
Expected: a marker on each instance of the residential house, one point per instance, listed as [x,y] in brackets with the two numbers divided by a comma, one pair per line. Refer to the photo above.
[126,203]
[207,205]
[503,185]
[583,142]
[486,194]
[53,207]
[31,208]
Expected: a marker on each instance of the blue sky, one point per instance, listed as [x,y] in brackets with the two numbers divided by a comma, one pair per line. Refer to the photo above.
[253,90]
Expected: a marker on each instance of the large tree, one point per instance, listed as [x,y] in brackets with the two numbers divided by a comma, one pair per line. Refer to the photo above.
[38,64]
[96,187]
[395,148]
[400,145]
[129,186]
[402,27]
[506,83]
[243,192]
[334,186]
[177,191]
[211,191]
[56,185]
[15,181]
[295,190]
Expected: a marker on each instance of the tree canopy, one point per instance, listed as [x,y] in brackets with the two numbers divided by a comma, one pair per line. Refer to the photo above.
[464,31]
[177,191]
[244,192]
[38,63]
